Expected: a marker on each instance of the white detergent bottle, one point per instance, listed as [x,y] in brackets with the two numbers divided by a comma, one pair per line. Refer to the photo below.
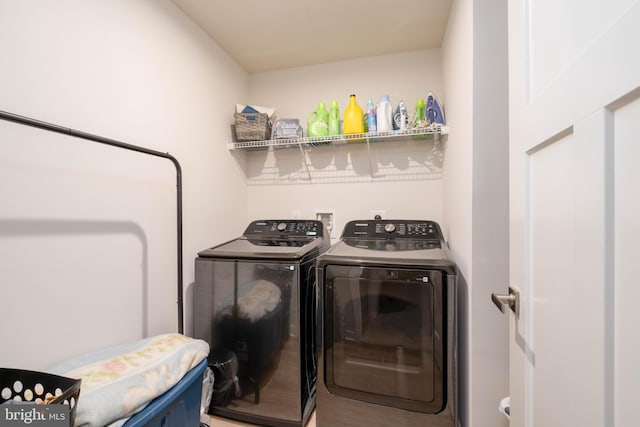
[384,114]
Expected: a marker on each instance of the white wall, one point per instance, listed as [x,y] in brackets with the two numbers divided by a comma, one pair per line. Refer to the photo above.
[407,182]
[457,59]
[476,198]
[457,66]
[87,232]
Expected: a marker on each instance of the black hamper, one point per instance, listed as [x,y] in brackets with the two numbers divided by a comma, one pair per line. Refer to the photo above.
[38,388]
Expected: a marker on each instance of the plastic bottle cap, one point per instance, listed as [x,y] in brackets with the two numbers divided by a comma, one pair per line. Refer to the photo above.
[385,97]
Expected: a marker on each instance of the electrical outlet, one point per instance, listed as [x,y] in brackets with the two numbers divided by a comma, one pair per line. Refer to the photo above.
[374,213]
[327,217]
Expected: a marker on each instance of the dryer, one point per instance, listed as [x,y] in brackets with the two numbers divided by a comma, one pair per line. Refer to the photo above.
[387,327]
[254,303]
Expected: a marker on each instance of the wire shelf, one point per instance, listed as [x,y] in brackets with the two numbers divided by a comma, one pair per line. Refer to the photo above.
[435,130]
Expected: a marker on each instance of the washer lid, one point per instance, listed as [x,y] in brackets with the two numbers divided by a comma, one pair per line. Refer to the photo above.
[389,253]
[266,248]
[286,239]
[391,242]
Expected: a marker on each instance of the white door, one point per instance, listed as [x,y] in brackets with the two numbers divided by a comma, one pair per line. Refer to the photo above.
[574,70]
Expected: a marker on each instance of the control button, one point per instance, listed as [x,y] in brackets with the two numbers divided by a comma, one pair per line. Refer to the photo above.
[282,226]
[389,228]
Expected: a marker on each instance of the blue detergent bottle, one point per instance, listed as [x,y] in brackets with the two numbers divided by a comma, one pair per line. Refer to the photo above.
[372,125]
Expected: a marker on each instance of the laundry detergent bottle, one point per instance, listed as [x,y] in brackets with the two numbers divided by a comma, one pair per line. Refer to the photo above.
[420,118]
[353,121]
[334,118]
[420,115]
[384,114]
[371,118]
[318,121]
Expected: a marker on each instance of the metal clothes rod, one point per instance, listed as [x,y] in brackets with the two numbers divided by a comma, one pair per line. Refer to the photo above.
[95,138]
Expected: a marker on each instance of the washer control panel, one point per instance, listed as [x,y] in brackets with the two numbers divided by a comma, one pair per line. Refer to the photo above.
[393,229]
[284,228]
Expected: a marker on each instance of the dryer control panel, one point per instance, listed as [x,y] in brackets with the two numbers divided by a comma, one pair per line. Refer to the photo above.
[284,228]
[393,229]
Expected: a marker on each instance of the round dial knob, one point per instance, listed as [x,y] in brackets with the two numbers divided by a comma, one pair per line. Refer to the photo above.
[282,226]
[389,228]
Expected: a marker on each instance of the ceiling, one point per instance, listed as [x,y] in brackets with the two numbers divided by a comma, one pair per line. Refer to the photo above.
[265,35]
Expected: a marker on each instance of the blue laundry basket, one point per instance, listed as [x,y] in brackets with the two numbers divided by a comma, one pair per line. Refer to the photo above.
[177,407]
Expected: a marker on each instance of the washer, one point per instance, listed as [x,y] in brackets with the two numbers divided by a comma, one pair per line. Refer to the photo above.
[255,304]
[387,327]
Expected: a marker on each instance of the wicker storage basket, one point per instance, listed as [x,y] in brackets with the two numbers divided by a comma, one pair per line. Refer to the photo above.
[39,387]
[252,126]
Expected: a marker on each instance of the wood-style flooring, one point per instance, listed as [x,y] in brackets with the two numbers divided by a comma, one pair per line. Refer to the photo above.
[223,422]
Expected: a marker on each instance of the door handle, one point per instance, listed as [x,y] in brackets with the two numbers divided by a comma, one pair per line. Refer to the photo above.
[512,300]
